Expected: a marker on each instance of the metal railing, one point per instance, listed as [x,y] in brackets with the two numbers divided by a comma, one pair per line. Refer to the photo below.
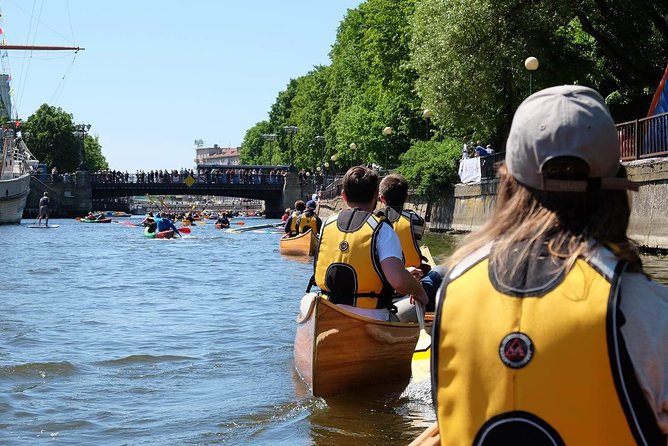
[643,138]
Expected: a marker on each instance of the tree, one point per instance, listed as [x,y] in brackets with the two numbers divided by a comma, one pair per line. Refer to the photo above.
[52,139]
[254,148]
[431,166]
[53,142]
[93,157]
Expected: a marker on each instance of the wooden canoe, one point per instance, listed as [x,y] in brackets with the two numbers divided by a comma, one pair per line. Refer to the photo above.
[337,351]
[301,245]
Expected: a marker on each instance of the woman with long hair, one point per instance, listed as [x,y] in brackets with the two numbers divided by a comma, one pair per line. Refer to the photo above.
[547,331]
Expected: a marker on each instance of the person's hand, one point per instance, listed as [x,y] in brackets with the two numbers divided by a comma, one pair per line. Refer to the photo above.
[422,298]
[416,272]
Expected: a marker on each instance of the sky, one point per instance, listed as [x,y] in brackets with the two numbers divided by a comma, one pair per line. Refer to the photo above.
[157,75]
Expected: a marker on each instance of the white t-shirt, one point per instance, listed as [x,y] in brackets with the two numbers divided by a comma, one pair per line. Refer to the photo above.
[388,244]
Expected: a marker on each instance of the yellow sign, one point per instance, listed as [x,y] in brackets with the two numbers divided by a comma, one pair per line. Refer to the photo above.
[189,181]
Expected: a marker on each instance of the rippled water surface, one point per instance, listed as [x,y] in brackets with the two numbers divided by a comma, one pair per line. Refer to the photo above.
[110,338]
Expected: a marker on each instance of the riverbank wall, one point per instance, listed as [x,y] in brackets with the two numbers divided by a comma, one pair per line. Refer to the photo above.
[466,207]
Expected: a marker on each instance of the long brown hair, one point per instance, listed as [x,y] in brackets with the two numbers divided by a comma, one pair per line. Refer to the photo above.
[566,221]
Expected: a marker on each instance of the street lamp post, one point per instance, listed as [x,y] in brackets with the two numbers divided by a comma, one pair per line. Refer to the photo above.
[80,132]
[291,130]
[271,137]
[531,64]
[319,139]
[387,131]
[426,115]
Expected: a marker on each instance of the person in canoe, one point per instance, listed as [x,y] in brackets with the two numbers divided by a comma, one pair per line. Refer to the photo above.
[165,224]
[43,209]
[223,221]
[285,215]
[409,226]
[359,262]
[547,328]
[291,228]
[150,223]
[309,219]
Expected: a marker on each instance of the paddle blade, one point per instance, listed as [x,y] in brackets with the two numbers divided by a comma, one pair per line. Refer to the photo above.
[184,230]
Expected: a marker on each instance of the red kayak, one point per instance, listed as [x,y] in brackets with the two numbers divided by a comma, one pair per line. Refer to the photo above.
[98,220]
[168,233]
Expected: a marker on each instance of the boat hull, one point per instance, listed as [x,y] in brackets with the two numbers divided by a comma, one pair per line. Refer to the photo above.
[301,245]
[100,220]
[337,351]
[13,196]
[167,233]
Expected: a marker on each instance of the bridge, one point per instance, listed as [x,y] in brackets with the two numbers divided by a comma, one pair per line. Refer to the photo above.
[74,194]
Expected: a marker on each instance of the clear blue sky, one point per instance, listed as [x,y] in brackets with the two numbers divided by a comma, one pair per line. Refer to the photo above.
[156,75]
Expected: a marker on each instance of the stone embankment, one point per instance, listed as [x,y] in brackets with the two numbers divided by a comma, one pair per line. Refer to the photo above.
[466,207]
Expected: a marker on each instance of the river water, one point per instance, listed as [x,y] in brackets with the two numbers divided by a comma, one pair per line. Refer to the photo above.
[107,337]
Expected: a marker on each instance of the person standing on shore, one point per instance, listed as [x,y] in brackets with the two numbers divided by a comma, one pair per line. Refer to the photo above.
[43,209]
[547,329]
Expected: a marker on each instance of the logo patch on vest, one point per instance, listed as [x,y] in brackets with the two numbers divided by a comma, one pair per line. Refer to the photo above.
[516,350]
[343,246]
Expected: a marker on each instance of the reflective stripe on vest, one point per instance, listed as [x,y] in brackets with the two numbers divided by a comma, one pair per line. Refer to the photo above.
[552,368]
[346,265]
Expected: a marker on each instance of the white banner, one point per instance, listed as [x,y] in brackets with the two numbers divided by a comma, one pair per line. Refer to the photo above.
[469,170]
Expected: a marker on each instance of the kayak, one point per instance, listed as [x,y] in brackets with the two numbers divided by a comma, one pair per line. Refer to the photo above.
[148,233]
[97,220]
[222,226]
[168,233]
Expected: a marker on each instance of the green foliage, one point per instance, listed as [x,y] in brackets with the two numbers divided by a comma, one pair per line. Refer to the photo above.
[464,61]
[93,157]
[431,166]
[254,148]
[53,142]
[52,139]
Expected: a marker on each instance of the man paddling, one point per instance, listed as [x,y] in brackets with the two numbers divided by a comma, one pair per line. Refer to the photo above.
[359,262]
[43,209]
[165,224]
[309,219]
[291,228]
[409,226]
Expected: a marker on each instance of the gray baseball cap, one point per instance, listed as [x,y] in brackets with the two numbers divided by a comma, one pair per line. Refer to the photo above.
[568,120]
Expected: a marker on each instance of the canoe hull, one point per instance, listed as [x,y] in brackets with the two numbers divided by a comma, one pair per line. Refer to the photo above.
[337,351]
[301,245]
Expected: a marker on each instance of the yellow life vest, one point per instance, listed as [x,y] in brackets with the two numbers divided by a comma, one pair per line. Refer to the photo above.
[542,366]
[308,221]
[346,266]
[293,222]
[409,226]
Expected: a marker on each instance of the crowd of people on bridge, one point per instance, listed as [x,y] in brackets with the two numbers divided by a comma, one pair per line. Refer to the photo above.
[215,176]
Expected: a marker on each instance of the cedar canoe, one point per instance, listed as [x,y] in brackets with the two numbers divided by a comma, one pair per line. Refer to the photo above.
[300,245]
[337,350]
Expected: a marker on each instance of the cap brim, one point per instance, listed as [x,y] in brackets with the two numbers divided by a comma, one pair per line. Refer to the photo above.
[592,184]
